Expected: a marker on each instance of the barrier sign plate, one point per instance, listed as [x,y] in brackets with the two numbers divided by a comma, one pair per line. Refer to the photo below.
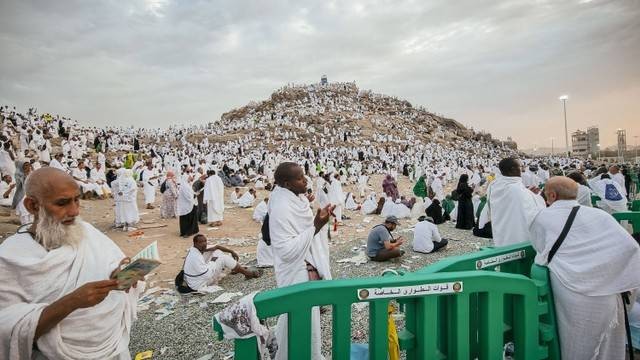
[412,290]
[501,259]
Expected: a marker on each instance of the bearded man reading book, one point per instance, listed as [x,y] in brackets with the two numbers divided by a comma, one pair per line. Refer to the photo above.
[58,292]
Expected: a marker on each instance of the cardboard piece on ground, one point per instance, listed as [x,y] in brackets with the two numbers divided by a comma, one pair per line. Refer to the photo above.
[153,226]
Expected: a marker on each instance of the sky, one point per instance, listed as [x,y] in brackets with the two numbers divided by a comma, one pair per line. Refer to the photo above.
[497,66]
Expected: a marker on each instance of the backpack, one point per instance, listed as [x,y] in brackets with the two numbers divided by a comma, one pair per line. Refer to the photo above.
[181,284]
[163,187]
[454,195]
[265,230]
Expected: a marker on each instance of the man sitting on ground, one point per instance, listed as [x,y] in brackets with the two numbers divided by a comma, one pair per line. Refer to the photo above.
[206,266]
[381,246]
[7,190]
[426,238]
[247,199]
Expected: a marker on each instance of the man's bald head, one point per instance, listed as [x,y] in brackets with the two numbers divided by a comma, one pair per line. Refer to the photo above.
[560,188]
[53,197]
[45,181]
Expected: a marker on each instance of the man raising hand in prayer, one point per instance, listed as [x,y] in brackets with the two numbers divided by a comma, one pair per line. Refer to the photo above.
[300,247]
[57,298]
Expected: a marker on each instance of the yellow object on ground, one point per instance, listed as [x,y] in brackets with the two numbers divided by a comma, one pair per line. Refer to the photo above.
[144,355]
[394,345]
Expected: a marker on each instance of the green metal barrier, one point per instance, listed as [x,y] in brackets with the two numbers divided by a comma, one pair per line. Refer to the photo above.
[449,314]
[516,259]
[632,216]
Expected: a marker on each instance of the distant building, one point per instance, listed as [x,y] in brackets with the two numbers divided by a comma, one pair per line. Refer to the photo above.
[622,143]
[579,143]
[585,143]
[593,135]
[323,80]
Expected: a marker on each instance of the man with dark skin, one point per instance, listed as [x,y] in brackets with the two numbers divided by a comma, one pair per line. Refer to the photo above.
[53,197]
[293,229]
[200,243]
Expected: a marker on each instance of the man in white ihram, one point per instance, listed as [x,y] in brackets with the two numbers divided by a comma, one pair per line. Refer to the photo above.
[149,179]
[58,295]
[214,198]
[597,261]
[512,207]
[300,247]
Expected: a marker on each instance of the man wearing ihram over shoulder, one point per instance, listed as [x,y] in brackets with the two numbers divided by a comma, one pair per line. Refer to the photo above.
[300,246]
[58,293]
[594,265]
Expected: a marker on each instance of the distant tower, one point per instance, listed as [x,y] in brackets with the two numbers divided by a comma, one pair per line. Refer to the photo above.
[622,143]
[323,80]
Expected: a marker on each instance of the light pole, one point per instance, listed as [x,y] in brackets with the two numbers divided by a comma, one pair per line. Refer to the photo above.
[564,99]
[636,159]
[598,152]
[552,154]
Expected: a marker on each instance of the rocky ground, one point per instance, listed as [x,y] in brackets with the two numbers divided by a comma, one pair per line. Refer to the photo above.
[179,327]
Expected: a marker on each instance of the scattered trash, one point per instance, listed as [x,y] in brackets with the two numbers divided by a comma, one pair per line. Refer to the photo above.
[206,357]
[367,219]
[144,355]
[135,233]
[210,289]
[226,297]
[152,290]
[359,259]
[163,313]
[153,226]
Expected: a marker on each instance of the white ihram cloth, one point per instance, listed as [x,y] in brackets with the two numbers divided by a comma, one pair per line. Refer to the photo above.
[213,195]
[597,261]
[438,189]
[126,205]
[98,177]
[370,205]
[240,321]
[293,242]
[149,186]
[619,178]
[425,234]
[260,212]
[32,278]
[611,195]
[264,252]
[400,210]
[186,198]
[350,203]
[322,197]
[584,195]
[246,200]
[200,271]
[337,198]
[512,210]
[387,208]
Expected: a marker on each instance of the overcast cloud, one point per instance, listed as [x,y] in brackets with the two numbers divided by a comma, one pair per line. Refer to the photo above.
[493,65]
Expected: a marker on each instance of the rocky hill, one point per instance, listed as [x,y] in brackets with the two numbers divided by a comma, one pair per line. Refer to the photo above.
[302,111]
